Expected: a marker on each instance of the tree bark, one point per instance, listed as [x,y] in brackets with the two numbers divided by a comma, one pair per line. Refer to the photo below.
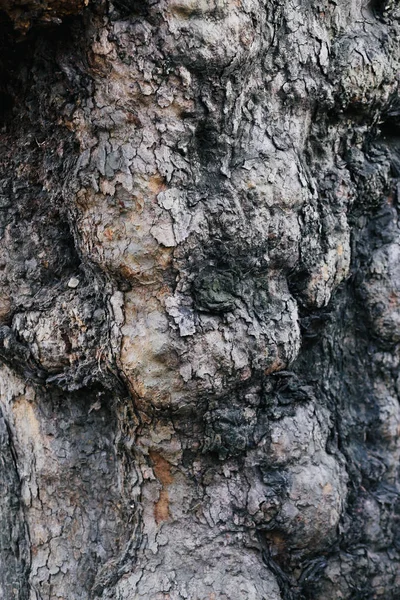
[200,300]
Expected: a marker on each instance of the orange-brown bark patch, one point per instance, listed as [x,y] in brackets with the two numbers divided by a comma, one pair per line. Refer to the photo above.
[161,507]
[162,470]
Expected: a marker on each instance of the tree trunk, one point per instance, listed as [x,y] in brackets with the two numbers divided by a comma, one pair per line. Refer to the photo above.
[200,300]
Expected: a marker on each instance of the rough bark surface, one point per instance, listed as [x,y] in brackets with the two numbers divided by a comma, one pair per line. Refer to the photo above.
[199,300]
[27,13]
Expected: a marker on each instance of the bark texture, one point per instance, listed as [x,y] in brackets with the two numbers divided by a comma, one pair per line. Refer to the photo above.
[26,13]
[200,300]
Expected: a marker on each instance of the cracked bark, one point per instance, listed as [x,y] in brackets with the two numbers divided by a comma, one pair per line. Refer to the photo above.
[200,300]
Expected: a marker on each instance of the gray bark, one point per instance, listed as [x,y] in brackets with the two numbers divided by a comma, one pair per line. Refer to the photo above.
[199,300]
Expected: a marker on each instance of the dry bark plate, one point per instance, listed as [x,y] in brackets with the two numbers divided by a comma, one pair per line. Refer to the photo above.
[199,300]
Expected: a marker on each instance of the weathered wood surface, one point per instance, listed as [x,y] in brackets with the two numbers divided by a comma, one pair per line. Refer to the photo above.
[199,300]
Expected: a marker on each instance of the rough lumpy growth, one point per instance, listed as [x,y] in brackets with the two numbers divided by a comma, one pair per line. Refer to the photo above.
[200,300]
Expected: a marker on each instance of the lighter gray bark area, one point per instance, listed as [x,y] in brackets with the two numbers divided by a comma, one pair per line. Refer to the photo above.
[200,302]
